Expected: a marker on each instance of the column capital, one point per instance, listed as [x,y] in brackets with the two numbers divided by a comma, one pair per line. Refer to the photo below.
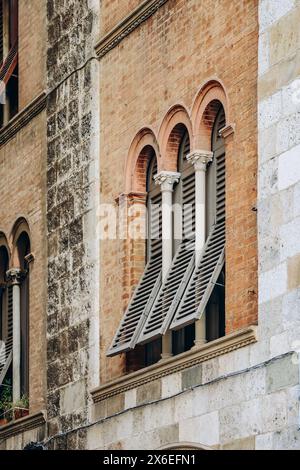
[200,159]
[166,179]
[15,275]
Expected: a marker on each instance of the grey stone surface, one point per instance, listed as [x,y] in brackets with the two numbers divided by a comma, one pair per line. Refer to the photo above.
[149,392]
[192,377]
[281,374]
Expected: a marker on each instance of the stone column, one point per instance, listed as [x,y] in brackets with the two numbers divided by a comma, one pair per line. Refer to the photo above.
[166,180]
[200,159]
[14,277]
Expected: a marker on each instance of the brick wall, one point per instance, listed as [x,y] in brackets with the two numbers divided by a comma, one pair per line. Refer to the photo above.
[163,62]
[22,187]
[32,51]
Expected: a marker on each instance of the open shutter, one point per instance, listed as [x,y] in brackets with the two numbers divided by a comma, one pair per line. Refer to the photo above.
[147,289]
[9,64]
[6,352]
[170,293]
[182,266]
[211,262]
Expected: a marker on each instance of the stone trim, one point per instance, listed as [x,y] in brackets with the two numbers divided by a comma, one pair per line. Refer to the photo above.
[22,425]
[175,364]
[22,118]
[227,131]
[127,25]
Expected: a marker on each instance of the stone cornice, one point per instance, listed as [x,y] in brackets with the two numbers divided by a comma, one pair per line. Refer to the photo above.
[22,425]
[227,131]
[175,364]
[127,25]
[22,118]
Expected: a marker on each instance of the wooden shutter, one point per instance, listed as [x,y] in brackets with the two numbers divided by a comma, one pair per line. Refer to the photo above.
[170,293]
[212,259]
[9,64]
[150,282]
[6,353]
[183,263]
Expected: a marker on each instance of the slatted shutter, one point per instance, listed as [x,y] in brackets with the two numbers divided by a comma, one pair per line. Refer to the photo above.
[183,263]
[212,259]
[9,64]
[170,293]
[6,353]
[150,282]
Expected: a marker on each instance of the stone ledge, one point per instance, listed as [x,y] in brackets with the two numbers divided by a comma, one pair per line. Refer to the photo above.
[127,25]
[22,118]
[175,364]
[22,425]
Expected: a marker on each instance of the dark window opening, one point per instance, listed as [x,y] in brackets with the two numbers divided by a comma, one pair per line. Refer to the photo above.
[183,339]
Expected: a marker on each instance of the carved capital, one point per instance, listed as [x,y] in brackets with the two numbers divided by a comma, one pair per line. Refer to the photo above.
[200,159]
[15,276]
[166,179]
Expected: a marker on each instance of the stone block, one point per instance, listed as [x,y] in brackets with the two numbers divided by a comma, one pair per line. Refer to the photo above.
[279,344]
[248,443]
[72,398]
[264,441]
[192,377]
[170,385]
[270,11]
[274,411]
[293,266]
[202,429]
[130,399]
[289,168]
[272,283]
[281,373]
[115,404]
[269,110]
[148,392]
[289,238]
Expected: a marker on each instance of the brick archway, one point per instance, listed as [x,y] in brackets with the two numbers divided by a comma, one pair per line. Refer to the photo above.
[176,122]
[204,111]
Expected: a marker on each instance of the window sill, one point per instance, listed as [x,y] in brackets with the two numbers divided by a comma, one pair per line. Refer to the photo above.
[22,118]
[175,364]
[22,425]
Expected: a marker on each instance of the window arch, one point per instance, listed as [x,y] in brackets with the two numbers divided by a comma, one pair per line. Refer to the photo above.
[23,250]
[6,326]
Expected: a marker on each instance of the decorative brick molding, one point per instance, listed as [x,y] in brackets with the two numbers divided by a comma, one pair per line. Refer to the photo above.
[22,425]
[127,25]
[23,118]
[175,364]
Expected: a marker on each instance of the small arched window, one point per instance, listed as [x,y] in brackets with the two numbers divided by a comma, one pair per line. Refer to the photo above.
[23,249]
[6,323]
[215,211]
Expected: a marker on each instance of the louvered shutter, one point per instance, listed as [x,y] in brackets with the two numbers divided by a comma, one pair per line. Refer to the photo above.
[9,64]
[6,352]
[148,287]
[183,263]
[211,262]
[170,293]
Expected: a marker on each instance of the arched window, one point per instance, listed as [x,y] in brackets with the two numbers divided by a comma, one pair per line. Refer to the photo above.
[215,210]
[23,248]
[184,228]
[6,326]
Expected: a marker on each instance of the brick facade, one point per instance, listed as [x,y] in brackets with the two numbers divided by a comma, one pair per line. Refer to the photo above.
[161,65]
